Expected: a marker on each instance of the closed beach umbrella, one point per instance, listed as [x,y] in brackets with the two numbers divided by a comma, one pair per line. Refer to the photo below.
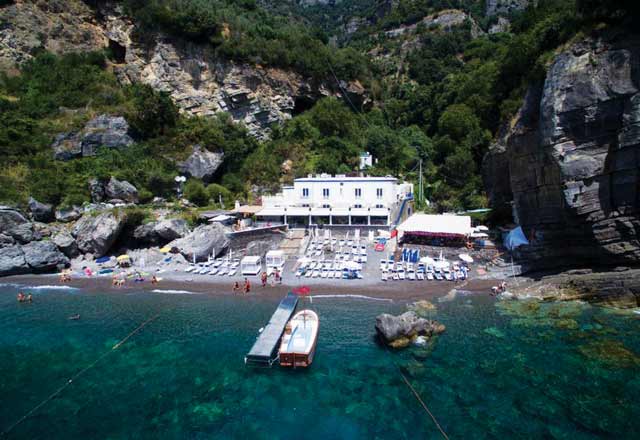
[165,250]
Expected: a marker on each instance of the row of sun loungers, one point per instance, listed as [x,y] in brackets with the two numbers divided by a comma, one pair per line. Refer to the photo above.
[219,267]
[326,269]
[401,271]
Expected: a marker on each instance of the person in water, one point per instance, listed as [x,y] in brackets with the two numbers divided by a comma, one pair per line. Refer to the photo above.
[154,280]
[30,297]
[247,286]
[21,297]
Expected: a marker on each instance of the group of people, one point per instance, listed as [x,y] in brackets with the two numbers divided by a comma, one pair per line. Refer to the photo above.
[25,298]
[247,286]
[65,276]
[277,278]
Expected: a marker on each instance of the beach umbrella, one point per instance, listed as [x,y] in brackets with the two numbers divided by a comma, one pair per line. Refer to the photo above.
[165,250]
[123,257]
[103,260]
[466,258]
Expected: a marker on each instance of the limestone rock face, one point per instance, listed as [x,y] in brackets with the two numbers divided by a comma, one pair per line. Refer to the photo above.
[398,331]
[103,131]
[41,212]
[445,20]
[24,233]
[572,158]
[96,234]
[121,190]
[201,163]
[54,25]
[202,242]
[197,81]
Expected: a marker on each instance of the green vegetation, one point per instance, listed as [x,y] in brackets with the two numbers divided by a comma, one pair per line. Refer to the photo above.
[440,102]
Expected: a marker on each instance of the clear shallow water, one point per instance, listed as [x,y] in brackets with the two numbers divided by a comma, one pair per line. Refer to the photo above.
[510,371]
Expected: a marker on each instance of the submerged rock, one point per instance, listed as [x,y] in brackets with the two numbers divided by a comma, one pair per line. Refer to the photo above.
[400,331]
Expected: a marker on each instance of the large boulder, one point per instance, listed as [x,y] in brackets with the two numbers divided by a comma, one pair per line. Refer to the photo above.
[24,233]
[121,190]
[43,256]
[41,212]
[96,189]
[66,243]
[399,331]
[103,131]
[171,229]
[201,164]
[572,159]
[96,233]
[10,218]
[162,232]
[12,261]
[6,240]
[67,215]
[202,242]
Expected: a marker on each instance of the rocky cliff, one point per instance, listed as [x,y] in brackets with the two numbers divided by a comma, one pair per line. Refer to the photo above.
[571,160]
[198,81]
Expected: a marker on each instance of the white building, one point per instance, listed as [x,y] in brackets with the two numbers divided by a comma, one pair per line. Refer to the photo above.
[339,200]
[366,160]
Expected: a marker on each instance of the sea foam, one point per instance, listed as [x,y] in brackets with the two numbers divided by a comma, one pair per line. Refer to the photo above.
[353,296]
[175,292]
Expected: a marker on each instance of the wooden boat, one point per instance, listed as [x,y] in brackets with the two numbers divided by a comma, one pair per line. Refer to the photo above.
[298,344]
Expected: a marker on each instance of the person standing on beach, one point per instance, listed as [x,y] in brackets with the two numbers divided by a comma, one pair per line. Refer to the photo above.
[247,286]
[236,286]
[263,278]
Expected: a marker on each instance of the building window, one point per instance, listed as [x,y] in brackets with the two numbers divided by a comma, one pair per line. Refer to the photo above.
[326,206]
[325,193]
[358,193]
[379,193]
[357,205]
[305,193]
[379,206]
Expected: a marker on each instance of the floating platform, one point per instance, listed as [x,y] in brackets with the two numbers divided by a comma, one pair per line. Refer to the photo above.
[264,351]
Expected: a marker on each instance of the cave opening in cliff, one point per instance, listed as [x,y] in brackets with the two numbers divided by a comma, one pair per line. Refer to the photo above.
[301,104]
[117,52]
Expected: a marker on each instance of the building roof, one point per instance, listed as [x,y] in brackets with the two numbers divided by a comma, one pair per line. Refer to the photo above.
[250,259]
[342,178]
[248,209]
[437,224]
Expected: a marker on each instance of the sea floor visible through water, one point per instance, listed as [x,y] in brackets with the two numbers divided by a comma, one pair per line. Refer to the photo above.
[501,370]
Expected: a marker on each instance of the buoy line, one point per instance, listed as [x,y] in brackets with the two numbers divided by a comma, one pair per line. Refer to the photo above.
[77,375]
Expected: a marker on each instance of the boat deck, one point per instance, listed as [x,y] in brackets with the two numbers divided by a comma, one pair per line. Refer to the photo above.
[264,350]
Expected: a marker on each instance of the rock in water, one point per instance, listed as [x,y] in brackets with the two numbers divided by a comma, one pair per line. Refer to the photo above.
[122,190]
[12,261]
[10,218]
[103,131]
[201,164]
[399,331]
[43,256]
[203,241]
[68,214]
[572,161]
[96,234]
[41,212]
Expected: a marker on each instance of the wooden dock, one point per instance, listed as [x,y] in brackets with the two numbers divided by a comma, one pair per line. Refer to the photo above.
[265,350]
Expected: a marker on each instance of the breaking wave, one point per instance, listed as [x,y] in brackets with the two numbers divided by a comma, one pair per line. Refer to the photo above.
[352,296]
[175,292]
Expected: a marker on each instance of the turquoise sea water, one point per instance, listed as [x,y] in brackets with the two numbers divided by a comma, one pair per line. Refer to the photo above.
[514,370]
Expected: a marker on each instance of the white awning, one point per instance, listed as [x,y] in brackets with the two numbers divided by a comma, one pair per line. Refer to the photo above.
[271,211]
[427,224]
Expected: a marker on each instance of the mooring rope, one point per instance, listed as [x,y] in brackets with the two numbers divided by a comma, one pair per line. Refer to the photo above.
[77,375]
[417,396]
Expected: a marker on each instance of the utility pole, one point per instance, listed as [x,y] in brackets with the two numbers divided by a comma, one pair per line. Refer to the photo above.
[421,194]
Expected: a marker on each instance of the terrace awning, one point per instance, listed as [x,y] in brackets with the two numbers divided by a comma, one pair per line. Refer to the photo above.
[442,226]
